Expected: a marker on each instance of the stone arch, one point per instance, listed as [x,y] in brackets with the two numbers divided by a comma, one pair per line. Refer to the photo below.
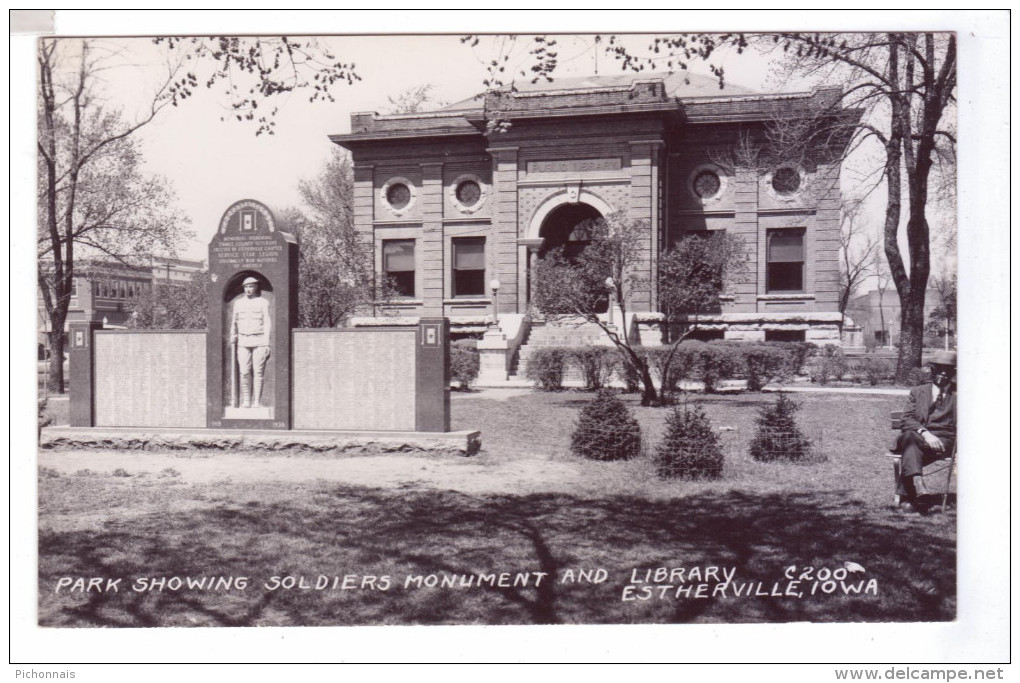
[560,198]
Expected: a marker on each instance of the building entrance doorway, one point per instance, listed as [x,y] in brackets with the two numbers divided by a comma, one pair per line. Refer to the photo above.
[567,227]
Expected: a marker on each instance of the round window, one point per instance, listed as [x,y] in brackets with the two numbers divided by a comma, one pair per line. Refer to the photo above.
[707,184]
[468,193]
[786,181]
[398,196]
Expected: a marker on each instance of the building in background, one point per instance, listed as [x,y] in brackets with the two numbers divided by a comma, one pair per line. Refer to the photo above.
[877,313]
[455,199]
[104,291]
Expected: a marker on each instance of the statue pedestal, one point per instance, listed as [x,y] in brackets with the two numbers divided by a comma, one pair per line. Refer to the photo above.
[492,349]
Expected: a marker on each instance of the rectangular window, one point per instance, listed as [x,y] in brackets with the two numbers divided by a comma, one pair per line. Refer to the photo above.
[784,335]
[468,266]
[398,265]
[785,264]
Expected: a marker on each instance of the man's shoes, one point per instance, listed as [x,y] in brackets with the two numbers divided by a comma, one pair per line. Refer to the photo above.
[907,507]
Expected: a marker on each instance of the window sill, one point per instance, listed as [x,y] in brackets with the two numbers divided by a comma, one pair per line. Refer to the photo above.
[468,300]
[401,302]
[791,296]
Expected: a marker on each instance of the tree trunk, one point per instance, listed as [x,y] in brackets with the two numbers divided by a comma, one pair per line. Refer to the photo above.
[56,376]
[911,335]
[649,397]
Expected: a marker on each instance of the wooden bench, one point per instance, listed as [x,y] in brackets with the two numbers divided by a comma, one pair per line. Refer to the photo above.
[946,462]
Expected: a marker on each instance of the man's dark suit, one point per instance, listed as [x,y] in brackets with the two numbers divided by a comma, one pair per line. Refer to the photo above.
[938,419]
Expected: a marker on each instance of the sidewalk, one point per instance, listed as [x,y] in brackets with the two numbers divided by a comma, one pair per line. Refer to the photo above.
[724,387]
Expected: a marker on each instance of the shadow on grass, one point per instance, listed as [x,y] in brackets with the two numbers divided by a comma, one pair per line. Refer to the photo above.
[335,531]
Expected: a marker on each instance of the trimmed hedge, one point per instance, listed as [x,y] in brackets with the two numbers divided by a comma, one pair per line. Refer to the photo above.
[595,363]
[765,363]
[464,362]
[545,368]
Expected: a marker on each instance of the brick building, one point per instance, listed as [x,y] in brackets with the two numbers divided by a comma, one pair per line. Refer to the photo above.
[105,291]
[878,314]
[453,199]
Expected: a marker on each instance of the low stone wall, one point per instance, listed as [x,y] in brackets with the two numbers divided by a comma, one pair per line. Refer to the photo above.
[354,378]
[464,443]
[150,378]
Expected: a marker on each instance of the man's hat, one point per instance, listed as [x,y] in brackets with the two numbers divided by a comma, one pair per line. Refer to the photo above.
[944,358]
[254,281]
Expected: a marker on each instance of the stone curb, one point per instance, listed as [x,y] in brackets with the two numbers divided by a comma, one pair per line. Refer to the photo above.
[463,443]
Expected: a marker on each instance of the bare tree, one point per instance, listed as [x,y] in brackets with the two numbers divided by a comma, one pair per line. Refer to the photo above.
[858,249]
[92,194]
[416,99]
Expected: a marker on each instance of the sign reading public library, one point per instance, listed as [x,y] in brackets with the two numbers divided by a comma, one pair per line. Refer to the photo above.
[252,308]
[574,165]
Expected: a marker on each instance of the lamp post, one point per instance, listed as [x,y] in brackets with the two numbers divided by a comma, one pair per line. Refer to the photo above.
[611,286]
[495,285]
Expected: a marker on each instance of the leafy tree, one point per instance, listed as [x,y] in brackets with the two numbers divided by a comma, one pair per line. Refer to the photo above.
[172,305]
[692,274]
[94,200]
[337,273]
[252,72]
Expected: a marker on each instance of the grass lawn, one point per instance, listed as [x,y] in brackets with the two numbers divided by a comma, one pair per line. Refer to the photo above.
[524,506]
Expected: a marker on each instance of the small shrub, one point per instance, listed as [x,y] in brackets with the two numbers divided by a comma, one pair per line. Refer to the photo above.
[44,418]
[48,473]
[681,366]
[545,368]
[778,437]
[629,376]
[85,473]
[595,363]
[766,363]
[121,472]
[606,430]
[464,362]
[818,371]
[870,344]
[690,450]
[835,361]
[856,370]
[715,362]
[878,370]
[802,351]
[168,472]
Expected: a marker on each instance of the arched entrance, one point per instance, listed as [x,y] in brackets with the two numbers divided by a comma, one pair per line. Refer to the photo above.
[565,227]
[551,224]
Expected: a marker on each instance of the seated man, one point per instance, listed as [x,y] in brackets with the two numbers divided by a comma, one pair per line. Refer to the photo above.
[929,427]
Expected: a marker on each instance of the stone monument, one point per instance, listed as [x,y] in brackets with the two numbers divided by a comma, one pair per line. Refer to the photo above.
[253,272]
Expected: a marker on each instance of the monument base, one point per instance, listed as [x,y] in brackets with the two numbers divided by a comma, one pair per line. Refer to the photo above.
[253,413]
[464,443]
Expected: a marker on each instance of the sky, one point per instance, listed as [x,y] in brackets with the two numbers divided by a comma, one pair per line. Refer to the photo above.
[211,165]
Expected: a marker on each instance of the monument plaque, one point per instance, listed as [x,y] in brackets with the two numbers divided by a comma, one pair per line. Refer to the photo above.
[252,308]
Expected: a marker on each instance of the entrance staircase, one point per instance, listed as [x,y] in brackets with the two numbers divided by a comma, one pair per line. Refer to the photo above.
[559,332]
